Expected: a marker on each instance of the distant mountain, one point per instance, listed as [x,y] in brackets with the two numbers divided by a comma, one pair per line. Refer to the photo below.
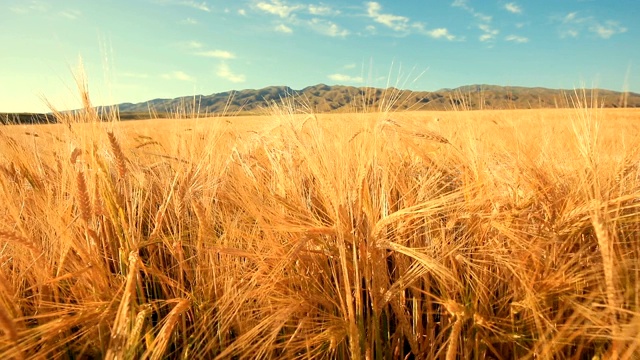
[323,98]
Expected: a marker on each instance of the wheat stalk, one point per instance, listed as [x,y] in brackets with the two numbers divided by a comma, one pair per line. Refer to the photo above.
[457,311]
[605,244]
[120,331]
[9,328]
[119,155]
[157,349]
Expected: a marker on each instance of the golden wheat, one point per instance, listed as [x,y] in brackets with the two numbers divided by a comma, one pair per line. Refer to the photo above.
[489,234]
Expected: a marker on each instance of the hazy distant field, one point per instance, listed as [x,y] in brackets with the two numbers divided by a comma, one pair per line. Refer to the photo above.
[427,235]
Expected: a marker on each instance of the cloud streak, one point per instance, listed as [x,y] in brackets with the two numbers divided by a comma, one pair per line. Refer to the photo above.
[489,33]
[328,28]
[517,39]
[465,6]
[217,54]
[572,25]
[224,72]
[277,7]
[71,14]
[177,75]
[30,7]
[513,8]
[322,10]
[346,78]
[202,6]
[441,33]
[608,29]
[283,29]
[394,22]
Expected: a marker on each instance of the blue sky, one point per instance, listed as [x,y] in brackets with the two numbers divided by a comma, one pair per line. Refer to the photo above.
[136,50]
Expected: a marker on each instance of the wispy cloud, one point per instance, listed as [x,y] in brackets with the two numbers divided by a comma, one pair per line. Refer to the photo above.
[177,75]
[573,24]
[321,10]
[513,8]
[277,7]
[135,75]
[217,54]
[296,15]
[608,29]
[284,29]
[197,5]
[440,33]
[242,12]
[488,33]
[27,7]
[194,44]
[328,28]
[225,72]
[349,66]
[463,4]
[517,39]
[70,14]
[346,78]
[395,22]
[189,21]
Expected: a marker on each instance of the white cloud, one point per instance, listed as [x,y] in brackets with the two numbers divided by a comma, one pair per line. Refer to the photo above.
[177,75]
[460,3]
[570,33]
[284,29]
[225,72]
[135,75]
[478,15]
[218,54]
[346,78]
[328,28]
[517,39]
[277,7]
[570,17]
[607,30]
[242,12]
[322,10]
[371,29]
[194,44]
[71,14]
[489,33]
[571,25]
[349,66]
[441,33]
[30,7]
[189,21]
[395,22]
[196,5]
[513,8]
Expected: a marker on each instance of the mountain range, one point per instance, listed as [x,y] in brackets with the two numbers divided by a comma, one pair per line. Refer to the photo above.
[323,98]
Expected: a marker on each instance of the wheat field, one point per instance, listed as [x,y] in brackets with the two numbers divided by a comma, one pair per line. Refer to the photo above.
[410,235]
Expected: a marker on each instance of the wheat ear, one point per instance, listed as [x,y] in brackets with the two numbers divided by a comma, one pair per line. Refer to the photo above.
[83,198]
[119,155]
